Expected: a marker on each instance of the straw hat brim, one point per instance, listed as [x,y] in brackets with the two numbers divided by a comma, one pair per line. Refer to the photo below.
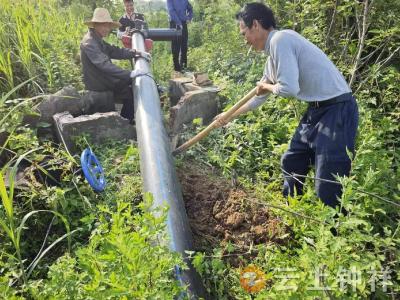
[90,24]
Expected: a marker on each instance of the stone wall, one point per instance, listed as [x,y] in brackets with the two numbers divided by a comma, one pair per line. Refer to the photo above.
[190,101]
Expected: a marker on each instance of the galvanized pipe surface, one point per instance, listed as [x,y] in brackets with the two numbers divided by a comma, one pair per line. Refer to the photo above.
[158,170]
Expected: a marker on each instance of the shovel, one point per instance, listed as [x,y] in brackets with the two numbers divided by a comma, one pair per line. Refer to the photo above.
[214,124]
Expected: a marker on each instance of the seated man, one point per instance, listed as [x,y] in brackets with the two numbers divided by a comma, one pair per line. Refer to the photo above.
[99,73]
[128,19]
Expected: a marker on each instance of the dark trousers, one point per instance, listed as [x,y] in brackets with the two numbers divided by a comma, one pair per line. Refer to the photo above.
[179,47]
[321,139]
[123,91]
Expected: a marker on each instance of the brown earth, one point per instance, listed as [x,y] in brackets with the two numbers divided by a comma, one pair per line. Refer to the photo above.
[219,212]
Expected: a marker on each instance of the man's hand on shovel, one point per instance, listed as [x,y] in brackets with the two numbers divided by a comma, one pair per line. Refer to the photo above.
[221,120]
[263,88]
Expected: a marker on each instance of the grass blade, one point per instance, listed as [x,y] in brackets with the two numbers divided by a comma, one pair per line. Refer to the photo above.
[14,169]
[34,263]
[7,230]
[28,215]
[6,200]
[18,105]
[5,97]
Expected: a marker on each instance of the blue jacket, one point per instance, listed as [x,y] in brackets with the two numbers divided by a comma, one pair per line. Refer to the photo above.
[179,11]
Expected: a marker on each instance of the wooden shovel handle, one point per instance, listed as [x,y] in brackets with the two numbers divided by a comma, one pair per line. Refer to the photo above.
[202,134]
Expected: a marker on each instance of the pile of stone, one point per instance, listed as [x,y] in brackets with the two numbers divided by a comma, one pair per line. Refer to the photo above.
[70,114]
[191,97]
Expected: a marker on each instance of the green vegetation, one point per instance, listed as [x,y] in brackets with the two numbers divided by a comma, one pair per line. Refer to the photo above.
[66,242]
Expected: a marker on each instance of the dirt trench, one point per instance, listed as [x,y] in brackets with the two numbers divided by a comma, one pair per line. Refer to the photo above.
[219,212]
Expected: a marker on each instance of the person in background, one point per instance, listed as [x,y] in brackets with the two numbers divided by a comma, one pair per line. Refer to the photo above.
[128,19]
[99,73]
[295,67]
[180,13]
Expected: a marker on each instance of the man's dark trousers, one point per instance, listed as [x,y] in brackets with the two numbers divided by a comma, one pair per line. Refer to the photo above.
[123,91]
[179,47]
[324,135]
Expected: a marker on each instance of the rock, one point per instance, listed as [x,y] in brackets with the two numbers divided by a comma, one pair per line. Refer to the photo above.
[201,79]
[94,102]
[67,99]
[20,182]
[99,127]
[178,87]
[195,104]
[181,85]
[41,118]
[189,101]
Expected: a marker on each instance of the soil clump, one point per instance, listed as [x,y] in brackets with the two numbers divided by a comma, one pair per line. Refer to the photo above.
[219,212]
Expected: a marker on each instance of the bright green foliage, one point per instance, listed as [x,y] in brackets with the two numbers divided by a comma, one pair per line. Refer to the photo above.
[39,39]
[251,146]
[122,260]
[14,232]
[116,252]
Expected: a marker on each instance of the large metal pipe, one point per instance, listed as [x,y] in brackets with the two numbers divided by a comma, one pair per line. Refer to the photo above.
[157,168]
[161,34]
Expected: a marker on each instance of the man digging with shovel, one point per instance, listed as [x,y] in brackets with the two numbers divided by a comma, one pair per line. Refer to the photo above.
[297,68]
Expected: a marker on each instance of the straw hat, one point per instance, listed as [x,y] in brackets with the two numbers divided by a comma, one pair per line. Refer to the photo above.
[101,15]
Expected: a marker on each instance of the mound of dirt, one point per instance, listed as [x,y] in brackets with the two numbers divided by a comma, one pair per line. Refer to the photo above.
[219,212]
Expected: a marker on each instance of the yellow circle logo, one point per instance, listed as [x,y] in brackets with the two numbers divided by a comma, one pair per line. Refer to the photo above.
[252,279]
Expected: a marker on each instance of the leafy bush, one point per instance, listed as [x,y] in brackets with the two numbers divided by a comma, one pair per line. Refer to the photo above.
[250,147]
[116,253]
[123,260]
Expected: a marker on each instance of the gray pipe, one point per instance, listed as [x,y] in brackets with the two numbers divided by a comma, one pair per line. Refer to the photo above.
[161,34]
[157,168]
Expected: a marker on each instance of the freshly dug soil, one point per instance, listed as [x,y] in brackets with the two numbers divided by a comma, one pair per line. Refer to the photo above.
[219,212]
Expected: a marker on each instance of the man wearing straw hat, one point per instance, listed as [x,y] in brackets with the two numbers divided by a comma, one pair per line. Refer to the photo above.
[99,73]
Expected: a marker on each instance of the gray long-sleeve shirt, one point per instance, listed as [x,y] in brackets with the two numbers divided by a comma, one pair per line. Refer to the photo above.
[99,73]
[297,68]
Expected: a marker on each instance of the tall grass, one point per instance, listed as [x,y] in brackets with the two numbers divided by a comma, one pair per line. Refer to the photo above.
[14,233]
[8,218]
[39,38]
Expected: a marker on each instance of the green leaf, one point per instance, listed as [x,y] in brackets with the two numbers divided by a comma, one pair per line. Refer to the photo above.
[28,215]
[7,201]
[5,97]
[6,229]
[14,169]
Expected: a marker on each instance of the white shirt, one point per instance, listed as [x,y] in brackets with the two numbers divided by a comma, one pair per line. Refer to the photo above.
[297,68]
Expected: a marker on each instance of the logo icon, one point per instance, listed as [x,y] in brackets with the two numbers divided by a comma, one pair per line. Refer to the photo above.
[252,279]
